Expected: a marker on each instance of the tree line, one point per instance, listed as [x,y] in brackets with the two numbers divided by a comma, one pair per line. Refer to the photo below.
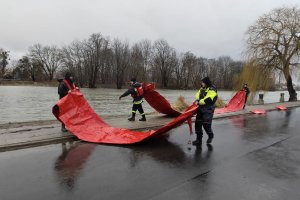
[100,61]
[272,47]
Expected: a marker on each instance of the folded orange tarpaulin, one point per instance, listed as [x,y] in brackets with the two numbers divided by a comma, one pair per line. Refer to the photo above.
[158,102]
[235,104]
[81,120]
[161,105]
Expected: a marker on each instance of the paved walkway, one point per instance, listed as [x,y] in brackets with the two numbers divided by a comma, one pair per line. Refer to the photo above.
[28,134]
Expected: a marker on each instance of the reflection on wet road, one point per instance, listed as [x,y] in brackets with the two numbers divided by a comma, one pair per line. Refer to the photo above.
[252,157]
[71,161]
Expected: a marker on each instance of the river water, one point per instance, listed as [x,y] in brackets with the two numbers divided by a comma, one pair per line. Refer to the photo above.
[31,103]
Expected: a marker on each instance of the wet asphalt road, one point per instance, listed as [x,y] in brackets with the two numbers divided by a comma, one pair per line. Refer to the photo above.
[252,157]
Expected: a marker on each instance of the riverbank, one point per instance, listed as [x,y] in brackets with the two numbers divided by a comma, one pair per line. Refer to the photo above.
[54,83]
[31,103]
[36,133]
[28,83]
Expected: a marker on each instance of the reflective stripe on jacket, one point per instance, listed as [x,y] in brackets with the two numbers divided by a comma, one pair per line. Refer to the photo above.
[207,96]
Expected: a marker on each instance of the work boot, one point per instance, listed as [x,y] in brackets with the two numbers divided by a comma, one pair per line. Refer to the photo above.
[143,118]
[209,140]
[132,118]
[63,128]
[209,147]
[197,143]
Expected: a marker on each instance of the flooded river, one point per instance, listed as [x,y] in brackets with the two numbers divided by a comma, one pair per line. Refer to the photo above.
[30,103]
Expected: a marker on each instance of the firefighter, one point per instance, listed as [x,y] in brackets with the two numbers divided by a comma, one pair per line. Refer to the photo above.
[247,90]
[64,86]
[136,91]
[206,98]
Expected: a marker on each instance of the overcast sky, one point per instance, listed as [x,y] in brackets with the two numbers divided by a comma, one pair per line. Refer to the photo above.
[208,28]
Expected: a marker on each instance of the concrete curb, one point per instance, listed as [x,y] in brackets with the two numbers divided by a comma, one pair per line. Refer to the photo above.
[23,145]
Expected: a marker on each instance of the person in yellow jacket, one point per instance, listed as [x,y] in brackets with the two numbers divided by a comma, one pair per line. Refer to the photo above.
[206,98]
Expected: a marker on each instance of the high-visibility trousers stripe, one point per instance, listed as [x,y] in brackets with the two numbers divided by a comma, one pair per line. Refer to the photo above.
[138,102]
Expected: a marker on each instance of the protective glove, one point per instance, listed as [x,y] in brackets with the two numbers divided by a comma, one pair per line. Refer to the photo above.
[201,102]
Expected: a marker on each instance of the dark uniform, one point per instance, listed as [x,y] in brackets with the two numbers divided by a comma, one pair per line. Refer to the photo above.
[136,92]
[246,89]
[63,88]
[206,98]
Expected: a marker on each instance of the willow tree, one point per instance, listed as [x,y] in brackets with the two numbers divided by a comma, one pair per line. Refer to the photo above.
[273,42]
[257,77]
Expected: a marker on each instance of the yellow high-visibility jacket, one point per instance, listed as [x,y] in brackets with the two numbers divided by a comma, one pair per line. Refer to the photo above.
[207,96]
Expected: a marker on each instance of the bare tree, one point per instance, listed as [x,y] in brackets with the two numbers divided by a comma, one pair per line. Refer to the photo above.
[274,43]
[48,57]
[224,67]
[72,61]
[136,64]
[146,48]
[165,60]
[94,56]
[212,69]
[4,57]
[179,72]
[200,71]
[106,70]
[120,61]
[189,65]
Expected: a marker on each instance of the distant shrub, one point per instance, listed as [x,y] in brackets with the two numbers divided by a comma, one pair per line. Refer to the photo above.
[220,103]
[180,104]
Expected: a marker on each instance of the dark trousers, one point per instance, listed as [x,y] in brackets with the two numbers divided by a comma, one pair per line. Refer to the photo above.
[204,119]
[245,101]
[138,107]
[62,124]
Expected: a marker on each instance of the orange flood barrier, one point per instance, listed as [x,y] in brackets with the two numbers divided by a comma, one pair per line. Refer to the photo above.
[235,104]
[158,102]
[81,120]
[258,111]
[281,107]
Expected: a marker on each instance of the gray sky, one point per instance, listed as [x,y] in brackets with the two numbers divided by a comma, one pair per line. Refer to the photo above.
[208,28]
